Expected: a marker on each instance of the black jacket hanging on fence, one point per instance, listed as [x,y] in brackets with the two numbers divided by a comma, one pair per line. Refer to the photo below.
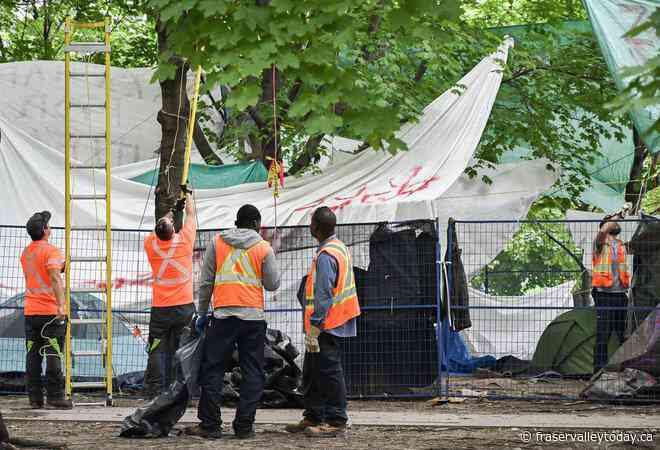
[460,317]
[645,292]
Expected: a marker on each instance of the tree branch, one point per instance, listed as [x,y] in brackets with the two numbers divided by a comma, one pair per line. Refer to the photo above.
[308,156]
[421,70]
[204,147]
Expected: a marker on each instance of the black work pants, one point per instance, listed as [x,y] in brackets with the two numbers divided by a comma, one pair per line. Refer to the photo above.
[165,327]
[222,335]
[323,382]
[44,336]
[608,321]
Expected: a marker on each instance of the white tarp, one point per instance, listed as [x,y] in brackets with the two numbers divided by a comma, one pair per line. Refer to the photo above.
[32,100]
[373,186]
[512,325]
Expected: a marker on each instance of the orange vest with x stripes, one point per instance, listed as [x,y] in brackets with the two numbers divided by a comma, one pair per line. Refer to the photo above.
[36,260]
[238,275]
[171,265]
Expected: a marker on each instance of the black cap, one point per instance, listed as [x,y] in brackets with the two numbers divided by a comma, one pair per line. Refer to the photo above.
[36,225]
[247,215]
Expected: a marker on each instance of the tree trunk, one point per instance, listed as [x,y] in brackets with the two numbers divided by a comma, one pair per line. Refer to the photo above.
[173,121]
[634,186]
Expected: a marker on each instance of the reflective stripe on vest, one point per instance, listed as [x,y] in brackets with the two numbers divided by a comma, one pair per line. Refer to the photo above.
[227,275]
[33,271]
[345,304]
[238,275]
[168,259]
[602,275]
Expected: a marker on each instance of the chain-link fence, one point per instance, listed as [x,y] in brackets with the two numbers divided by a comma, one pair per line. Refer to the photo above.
[395,352]
[529,323]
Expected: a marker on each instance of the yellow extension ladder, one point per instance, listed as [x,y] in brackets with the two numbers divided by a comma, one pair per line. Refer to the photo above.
[78,260]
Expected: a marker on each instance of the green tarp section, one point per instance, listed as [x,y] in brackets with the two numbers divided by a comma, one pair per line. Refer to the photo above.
[567,344]
[611,20]
[611,171]
[215,177]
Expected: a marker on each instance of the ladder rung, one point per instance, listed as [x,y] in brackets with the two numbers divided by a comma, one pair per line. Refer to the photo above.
[87,322]
[91,75]
[88,384]
[87,136]
[88,290]
[87,47]
[84,166]
[88,259]
[87,105]
[86,353]
[89,228]
[88,197]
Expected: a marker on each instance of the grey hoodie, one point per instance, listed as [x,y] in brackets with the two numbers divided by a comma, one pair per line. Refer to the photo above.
[242,238]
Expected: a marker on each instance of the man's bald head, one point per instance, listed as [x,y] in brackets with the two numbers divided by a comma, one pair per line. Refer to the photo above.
[323,223]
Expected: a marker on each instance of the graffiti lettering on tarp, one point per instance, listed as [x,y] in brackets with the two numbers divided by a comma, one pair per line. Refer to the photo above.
[642,14]
[364,195]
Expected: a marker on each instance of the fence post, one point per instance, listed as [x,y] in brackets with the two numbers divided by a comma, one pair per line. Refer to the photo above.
[438,307]
[450,280]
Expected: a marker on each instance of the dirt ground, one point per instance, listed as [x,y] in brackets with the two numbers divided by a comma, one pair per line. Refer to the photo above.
[94,435]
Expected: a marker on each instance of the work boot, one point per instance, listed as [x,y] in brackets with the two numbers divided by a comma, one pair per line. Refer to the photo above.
[326,431]
[59,403]
[36,404]
[198,430]
[301,426]
[243,432]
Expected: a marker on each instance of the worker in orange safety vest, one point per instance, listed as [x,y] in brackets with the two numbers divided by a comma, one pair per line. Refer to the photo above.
[170,255]
[331,307]
[610,281]
[238,265]
[45,314]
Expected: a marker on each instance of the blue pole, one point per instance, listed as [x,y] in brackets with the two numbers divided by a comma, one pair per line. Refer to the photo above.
[438,307]
[451,225]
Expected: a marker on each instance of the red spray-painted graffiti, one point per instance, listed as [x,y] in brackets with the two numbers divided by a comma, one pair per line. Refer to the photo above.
[364,196]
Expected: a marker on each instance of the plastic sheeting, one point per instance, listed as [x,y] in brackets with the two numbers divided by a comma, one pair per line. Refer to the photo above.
[512,325]
[203,176]
[375,186]
[611,20]
[32,100]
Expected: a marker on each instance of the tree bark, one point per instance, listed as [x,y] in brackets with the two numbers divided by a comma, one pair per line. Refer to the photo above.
[173,121]
[634,186]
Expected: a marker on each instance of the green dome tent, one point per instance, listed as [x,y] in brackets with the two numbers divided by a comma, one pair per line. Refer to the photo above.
[567,344]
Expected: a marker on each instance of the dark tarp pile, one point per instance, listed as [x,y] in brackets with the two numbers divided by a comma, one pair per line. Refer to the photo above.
[397,297]
[158,417]
[633,371]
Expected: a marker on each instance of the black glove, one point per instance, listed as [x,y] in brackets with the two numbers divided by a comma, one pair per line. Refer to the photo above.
[180,204]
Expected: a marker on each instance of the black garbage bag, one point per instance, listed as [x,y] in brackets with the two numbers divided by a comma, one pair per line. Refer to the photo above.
[158,417]
[283,377]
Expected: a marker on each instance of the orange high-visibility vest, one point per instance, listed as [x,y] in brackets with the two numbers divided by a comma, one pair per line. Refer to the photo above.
[345,305]
[36,260]
[171,265]
[238,275]
[602,275]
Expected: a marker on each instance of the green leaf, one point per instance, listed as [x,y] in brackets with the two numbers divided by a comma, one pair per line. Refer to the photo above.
[213,7]
[244,96]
